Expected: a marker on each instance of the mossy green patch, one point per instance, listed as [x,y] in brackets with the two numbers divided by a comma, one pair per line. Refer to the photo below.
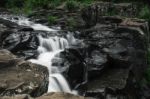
[52,19]
[145,12]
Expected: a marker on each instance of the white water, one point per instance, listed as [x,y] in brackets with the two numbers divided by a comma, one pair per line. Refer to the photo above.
[47,50]
[20,20]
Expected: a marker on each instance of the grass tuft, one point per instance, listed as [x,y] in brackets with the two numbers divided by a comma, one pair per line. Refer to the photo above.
[52,19]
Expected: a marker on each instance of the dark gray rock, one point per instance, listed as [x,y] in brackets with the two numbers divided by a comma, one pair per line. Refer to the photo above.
[26,29]
[8,23]
[20,42]
[121,51]
[72,65]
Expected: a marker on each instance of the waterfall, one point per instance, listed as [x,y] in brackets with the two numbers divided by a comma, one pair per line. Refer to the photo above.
[48,49]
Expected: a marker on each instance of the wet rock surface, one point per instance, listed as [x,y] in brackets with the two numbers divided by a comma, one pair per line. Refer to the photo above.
[23,43]
[20,77]
[108,62]
[112,59]
[74,62]
[121,58]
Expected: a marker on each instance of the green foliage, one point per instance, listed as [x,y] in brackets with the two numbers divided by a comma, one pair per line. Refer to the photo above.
[52,19]
[86,1]
[72,5]
[54,3]
[145,13]
[71,22]
[26,11]
[27,6]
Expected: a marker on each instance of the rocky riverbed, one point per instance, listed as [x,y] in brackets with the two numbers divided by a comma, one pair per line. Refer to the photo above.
[106,57]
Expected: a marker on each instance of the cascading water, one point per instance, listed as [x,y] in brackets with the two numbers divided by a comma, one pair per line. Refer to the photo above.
[20,20]
[47,50]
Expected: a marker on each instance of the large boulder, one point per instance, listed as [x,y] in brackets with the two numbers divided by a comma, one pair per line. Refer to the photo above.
[116,57]
[20,40]
[21,77]
[20,43]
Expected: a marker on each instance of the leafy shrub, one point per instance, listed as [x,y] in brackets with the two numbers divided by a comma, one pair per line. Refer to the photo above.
[53,3]
[72,5]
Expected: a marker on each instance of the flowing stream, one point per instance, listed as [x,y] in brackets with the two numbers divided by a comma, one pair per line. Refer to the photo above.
[48,49]
[20,20]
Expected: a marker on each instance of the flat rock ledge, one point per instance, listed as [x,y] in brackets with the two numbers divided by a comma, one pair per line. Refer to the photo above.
[47,96]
